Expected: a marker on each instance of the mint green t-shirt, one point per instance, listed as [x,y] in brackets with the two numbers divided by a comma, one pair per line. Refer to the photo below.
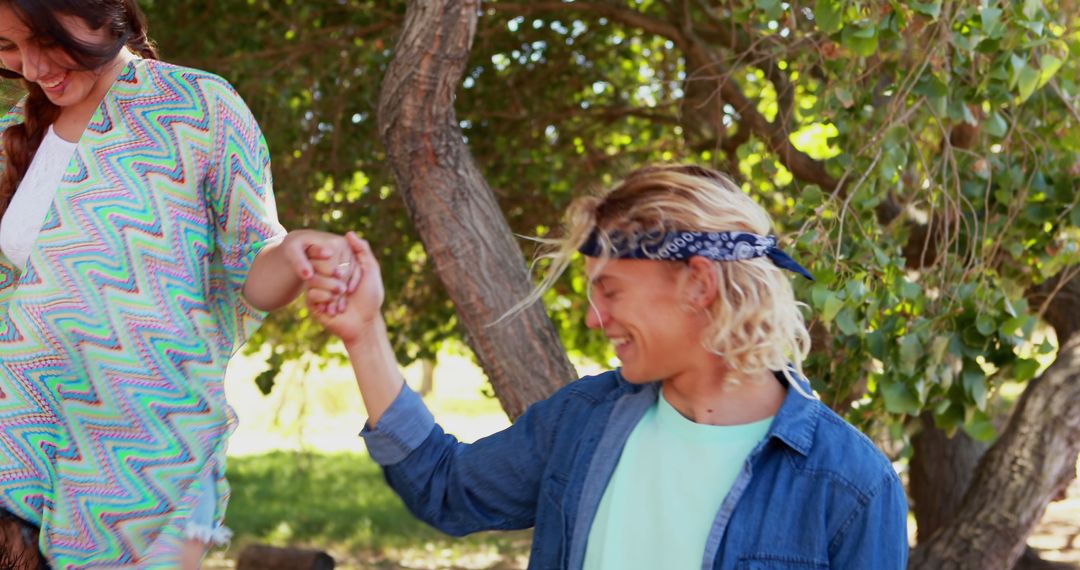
[666,490]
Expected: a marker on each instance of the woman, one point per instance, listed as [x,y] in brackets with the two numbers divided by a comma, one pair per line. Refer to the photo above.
[140,249]
[704,450]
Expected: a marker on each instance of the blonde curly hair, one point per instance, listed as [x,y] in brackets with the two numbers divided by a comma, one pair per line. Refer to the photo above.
[755,321]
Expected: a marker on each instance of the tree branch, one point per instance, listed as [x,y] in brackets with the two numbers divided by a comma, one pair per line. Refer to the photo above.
[608,114]
[1061,297]
[455,211]
[291,52]
[773,134]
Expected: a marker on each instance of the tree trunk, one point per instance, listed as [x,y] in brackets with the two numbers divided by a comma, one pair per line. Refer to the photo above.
[940,473]
[1032,461]
[454,210]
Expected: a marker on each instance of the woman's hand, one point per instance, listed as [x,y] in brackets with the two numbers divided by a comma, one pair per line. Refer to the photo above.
[335,275]
[358,312]
[282,270]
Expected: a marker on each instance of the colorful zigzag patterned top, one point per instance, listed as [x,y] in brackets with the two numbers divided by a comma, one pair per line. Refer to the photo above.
[115,337]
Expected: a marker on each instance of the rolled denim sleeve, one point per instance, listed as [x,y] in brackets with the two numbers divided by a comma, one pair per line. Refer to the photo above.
[459,488]
[402,428]
[876,535]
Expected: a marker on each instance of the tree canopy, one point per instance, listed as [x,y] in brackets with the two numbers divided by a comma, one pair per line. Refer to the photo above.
[920,157]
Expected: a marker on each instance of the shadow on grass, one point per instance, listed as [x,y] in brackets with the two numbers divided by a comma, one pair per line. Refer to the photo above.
[341,502]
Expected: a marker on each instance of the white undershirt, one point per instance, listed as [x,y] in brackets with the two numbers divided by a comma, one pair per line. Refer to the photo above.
[26,213]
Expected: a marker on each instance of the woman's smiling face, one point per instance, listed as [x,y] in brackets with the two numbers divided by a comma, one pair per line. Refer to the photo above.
[41,60]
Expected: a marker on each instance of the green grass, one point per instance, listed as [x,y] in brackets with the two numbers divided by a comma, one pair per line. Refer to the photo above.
[340,503]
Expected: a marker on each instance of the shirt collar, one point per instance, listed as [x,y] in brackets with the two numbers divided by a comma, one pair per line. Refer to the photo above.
[797,419]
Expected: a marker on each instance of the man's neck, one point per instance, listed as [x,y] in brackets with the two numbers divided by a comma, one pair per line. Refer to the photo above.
[723,398]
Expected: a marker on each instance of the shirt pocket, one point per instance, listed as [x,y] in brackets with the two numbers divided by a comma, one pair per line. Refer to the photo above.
[552,533]
[779,562]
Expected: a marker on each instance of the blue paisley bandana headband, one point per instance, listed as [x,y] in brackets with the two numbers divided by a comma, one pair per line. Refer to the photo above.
[682,245]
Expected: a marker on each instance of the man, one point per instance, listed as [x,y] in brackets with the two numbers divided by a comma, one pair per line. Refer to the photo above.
[704,450]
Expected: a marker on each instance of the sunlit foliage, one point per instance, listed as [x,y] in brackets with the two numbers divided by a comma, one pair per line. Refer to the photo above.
[863,126]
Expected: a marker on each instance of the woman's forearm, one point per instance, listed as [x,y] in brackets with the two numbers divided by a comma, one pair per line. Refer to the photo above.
[272,281]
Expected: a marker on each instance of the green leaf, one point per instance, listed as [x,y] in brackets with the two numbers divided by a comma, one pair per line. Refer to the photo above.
[974,383]
[910,290]
[932,9]
[945,376]
[1010,309]
[938,347]
[856,290]
[931,86]
[819,294]
[899,399]
[995,125]
[1038,214]
[846,321]
[1027,80]
[864,29]
[948,416]
[1016,63]
[991,21]
[970,41]
[265,381]
[1035,26]
[829,15]
[1049,65]
[981,427]
[938,105]
[985,324]
[880,256]
[910,350]
[773,8]
[861,40]
[875,343]
[1032,8]
[833,304]
[894,158]
[1024,369]
[843,94]
[1013,325]
[967,115]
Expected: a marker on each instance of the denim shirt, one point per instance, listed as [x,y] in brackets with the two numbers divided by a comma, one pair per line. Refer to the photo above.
[814,494]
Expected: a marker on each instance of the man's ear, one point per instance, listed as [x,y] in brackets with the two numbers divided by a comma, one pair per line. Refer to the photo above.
[701,285]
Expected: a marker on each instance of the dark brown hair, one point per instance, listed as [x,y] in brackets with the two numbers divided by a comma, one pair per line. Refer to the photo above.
[128,27]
